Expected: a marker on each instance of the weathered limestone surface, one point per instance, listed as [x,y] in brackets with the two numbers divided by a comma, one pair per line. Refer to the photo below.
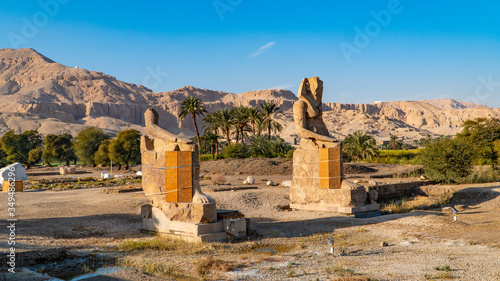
[307,189]
[318,180]
[170,179]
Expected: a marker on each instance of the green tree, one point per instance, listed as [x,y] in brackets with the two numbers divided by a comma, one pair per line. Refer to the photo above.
[448,160]
[240,121]
[35,155]
[360,146]
[87,143]
[236,150]
[210,123]
[126,148]
[58,147]
[280,147]
[481,133]
[225,121]
[259,147]
[101,156]
[193,106]
[211,140]
[17,146]
[269,110]
[255,118]
[395,143]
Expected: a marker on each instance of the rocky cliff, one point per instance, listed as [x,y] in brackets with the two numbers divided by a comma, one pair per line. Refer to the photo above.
[38,93]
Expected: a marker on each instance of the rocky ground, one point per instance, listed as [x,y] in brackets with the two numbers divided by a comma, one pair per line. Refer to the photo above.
[285,245]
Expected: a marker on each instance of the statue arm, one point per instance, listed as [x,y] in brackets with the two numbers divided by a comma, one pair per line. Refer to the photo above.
[299,115]
[158,132]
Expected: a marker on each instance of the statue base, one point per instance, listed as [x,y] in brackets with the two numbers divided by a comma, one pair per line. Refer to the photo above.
[218,227]
[336,208]
[318,183]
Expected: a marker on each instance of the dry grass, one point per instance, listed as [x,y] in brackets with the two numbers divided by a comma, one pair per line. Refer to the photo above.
[169,245]
[208,264]
[218,179]
[355,278]
[415,203]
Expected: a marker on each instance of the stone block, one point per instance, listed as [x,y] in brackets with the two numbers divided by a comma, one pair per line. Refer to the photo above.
[189,212]
[330,167]
[18,185]
[310,166]
[179,176]
[194,232]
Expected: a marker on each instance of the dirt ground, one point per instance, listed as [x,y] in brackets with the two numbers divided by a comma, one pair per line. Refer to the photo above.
[89,220]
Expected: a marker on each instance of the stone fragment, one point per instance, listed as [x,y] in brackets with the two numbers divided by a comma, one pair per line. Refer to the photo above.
[249,180]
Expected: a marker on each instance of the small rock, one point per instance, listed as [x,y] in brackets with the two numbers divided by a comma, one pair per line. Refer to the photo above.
[286,183]
[249,180]
[384,244]
[355,181]
[269,183]
[373,182]
[422,177]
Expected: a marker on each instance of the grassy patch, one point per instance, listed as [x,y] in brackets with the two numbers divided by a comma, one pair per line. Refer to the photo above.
[416,203]
[402,157]
[168,245]
[204,266]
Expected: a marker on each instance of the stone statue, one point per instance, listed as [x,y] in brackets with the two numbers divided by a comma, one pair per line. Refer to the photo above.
[318,180]
[160,140]
[307,113]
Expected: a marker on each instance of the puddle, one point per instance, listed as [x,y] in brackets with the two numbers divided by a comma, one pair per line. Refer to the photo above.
[99,271]
[78,267]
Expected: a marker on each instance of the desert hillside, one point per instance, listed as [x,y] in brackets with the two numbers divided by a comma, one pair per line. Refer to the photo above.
[38,93]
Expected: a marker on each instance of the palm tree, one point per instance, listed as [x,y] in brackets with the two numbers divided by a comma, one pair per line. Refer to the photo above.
[212,140]
[359,146]
[224,121]
[255,118]
[240,121]
[268,111]
[194,107]
[210,123]
[394,143]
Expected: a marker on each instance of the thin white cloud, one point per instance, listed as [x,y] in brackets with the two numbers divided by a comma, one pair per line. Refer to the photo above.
[262,50]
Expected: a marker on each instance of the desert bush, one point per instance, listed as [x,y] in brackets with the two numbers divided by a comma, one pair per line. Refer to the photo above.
[206,157]
[218,179]
[236,150]
[279,147]
[448,160]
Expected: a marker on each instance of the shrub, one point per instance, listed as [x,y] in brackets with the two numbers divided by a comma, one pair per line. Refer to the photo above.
[448,160]
[218,179]
[236,150]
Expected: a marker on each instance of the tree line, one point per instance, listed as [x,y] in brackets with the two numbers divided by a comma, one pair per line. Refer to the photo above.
[239,132]
[92,146]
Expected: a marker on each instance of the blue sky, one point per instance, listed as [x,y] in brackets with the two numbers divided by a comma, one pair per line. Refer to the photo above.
[364,51]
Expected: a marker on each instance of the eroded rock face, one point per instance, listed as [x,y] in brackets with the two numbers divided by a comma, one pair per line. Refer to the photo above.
[38,93]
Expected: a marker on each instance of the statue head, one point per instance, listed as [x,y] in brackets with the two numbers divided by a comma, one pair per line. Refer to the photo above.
[311,91]
[151,116]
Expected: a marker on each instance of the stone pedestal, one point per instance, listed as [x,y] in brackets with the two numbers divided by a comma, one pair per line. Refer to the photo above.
[157,220]
[318,183]
[169,178]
